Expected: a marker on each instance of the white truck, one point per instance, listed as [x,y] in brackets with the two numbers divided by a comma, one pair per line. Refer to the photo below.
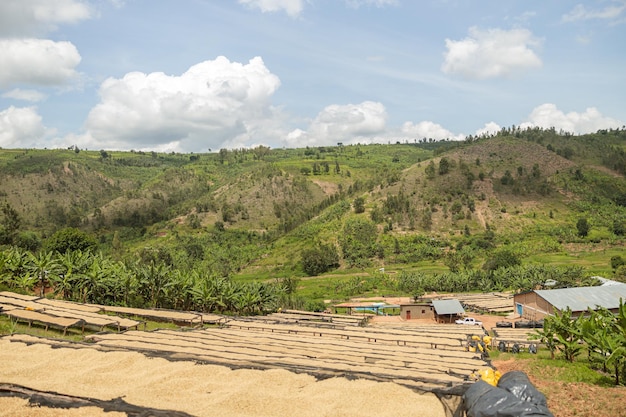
[470,321]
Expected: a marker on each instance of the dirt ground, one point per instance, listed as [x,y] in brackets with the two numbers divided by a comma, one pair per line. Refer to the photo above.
[572,399]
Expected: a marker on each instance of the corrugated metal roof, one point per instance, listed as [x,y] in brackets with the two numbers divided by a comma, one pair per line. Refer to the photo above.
[606,282]
[581,298]
[448,307]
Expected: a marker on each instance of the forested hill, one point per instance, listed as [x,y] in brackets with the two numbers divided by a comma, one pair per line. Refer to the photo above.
[539,196]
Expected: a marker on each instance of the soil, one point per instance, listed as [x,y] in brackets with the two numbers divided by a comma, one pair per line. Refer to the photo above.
[572,399]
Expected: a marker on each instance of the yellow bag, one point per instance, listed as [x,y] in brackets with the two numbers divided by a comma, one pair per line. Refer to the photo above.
[489,375]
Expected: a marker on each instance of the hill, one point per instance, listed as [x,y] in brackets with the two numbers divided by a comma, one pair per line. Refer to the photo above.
[253,214]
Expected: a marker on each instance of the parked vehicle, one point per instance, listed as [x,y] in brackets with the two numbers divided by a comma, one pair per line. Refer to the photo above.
[470,321]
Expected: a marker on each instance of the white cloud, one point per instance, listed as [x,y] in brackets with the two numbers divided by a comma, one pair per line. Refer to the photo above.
[37,61]
[428,130]
[349,123]
[211,103]
[591,120]
[292,7]
[489,129]
[491,53]
[25,95]
[21,127]
[28,17]
[580,12]
[377,3]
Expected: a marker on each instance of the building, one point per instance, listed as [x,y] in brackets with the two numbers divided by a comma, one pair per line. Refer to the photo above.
[537,304]
[447,311]
[417,311]
[378,309]
[442,311]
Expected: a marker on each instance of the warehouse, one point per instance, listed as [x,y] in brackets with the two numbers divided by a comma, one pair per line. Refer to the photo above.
[535,305]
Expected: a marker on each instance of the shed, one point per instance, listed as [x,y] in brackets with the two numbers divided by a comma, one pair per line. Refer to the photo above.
[447,311]
[366,308]
[537,304]
[417,311]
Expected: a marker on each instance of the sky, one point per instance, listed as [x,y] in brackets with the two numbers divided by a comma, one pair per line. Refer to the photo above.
[202,75]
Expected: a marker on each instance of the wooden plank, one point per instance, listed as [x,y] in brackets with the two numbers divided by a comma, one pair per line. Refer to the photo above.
[21,303]
[68,305]
[362,333]
[212,318]
[18,296]
[7,307]
[156,314]
[45,319]
[280,350]
[98,320]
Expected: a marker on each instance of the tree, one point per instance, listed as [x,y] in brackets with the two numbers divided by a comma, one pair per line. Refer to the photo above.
[430,170]
[616,262]
[583,227]
[10,225]
[116,244]
[453,261]
[536,172]
[71,239]
[320,259]
[507,178]
[358,241]
[359,205]
[223,155]
[619,227]
[27,240]
[412,283]
[193,221]
[502,258]
[444,166]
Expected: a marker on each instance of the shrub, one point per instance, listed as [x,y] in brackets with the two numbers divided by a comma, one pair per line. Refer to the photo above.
[71,239]
[320,259]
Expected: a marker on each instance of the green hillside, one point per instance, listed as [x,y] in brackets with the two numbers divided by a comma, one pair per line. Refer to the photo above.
[327,219]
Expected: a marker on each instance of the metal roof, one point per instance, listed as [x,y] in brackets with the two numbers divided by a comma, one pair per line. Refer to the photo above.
[582,298]
[607,282]
[448,307]
[373,306]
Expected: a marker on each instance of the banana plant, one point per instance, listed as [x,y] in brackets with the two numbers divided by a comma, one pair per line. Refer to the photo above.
[605,333]
[568,334]
[617,358]
[547,335]
[43,265]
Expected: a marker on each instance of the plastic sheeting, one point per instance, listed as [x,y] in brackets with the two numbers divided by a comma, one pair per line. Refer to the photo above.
[514,396]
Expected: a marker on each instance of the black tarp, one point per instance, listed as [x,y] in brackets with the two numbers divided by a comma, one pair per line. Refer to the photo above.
[515,396]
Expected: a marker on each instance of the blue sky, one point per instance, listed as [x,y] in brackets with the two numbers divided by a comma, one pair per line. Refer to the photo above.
[194,75]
